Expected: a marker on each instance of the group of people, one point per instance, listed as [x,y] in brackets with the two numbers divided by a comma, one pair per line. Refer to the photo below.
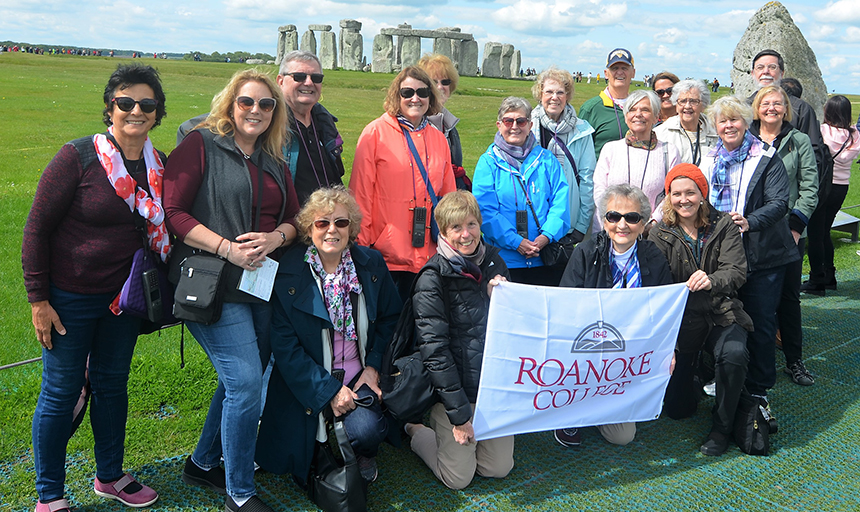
[650,187]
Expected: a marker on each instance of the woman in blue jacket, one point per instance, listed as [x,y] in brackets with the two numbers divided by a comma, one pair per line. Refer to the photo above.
[523,196]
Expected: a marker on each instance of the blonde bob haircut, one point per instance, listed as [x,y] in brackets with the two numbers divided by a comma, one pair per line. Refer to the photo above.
[439,65]
[764,91]
[392,98]
[220,120]
[670,216]
[323,201]
[730,107]
[553,73]
[454,208]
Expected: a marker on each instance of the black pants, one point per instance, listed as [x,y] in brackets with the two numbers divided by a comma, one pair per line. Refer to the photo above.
[729,346]
[788,314]
[821,268]
[403,281]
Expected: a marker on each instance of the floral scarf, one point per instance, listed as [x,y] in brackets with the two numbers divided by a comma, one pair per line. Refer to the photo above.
[147,203]
[633,142]
[721,183]
[336,290]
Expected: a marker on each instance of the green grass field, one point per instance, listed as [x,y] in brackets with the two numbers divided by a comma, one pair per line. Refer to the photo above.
[48,100]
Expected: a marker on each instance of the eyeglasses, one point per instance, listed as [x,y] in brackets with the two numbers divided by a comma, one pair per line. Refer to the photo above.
[246,103]
[664,92]
[408,92]
[444,81]
[689,101]
[126,104]
[775,104]
[325,223]
[520,121]
[770,67]
[549,93]
[316,78]
[631,217]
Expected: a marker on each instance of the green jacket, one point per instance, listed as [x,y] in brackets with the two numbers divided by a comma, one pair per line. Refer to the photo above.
[606,119]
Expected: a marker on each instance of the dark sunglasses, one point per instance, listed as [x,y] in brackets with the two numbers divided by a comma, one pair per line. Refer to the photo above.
[126,104]
[661,92]
[325,223]
[408,92]
[444,81]
[520,121]
[301,77]
[631,217]
[246,103]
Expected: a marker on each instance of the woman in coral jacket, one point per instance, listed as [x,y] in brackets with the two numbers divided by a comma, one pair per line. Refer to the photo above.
[394,154]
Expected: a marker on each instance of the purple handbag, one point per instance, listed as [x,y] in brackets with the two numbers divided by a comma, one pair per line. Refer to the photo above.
[132,298]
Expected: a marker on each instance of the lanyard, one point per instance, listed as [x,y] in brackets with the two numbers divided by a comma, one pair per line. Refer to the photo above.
[307,151]
[695,148]
[434,228]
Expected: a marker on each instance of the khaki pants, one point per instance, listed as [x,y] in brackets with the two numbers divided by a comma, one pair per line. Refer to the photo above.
[454,464]
[618,433]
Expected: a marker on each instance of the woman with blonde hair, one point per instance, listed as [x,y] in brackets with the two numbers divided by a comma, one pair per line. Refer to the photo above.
[229,193]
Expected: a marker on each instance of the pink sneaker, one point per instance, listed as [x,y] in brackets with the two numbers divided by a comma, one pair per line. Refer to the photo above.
[54,506]
[143,497]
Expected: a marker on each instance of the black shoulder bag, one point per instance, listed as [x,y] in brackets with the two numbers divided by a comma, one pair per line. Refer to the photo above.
[336,484]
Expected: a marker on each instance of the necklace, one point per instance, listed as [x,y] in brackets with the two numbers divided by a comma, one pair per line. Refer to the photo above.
[246,155]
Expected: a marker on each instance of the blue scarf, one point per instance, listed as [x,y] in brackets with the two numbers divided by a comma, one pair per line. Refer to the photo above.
[721,186]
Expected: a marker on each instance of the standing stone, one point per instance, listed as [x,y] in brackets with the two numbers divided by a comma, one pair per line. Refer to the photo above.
[309,42]
[442,46]
[505,60]
[410,51]
[351,45]
[292,42]
[383,54]
[328,50]
[468,58]
[492,59]
[284,39]
[516,62]
[772,28]
[404,26]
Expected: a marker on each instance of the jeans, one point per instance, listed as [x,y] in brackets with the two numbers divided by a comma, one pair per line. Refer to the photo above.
[761,295]
[238,347]
[366,427]
[91,330]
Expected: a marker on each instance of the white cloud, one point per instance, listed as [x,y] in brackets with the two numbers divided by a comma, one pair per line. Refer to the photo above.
[843,11]
[799,18]
[852,35]
[836,62]
[669,56]
[589,45]
[821,31]
[560,15]
[671,36]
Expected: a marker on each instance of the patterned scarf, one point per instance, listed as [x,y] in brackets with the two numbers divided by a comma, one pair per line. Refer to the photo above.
[633,142]
[408,124]
[147,203]
[721,192]
[336,290]
[463,265]
[629,276]
[565,124]
[514,155]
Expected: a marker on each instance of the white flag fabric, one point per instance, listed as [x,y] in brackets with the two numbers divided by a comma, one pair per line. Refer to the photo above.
[573,357]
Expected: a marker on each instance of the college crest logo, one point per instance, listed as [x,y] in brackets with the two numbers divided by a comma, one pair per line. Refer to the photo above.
[599,337]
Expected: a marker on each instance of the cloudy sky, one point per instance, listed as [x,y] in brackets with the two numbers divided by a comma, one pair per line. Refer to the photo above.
[692,38]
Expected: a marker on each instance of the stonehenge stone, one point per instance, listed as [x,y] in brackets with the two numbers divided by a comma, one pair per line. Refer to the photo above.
[350,24]
[505,60]
[410,50]
[442,46]
[383,54]
[309,42]
[328,50]
[320,28]
[468,58]
[351,45]
[773,28]
[516,62]
[254,62]
[492,60]
[403,27]
[287,41]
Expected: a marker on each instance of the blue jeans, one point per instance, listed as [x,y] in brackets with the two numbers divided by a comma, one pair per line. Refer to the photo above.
[366,427]
[238,347]
[91,330]
[761,295]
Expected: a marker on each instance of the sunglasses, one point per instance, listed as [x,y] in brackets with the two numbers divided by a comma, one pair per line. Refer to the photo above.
[325,223]
[246,103]
[664,92]
[316,78]
[520,121]
[126,104]
[444,81]
[631,217]
[408,92]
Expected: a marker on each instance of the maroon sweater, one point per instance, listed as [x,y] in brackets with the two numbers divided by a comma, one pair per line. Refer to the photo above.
[79,235]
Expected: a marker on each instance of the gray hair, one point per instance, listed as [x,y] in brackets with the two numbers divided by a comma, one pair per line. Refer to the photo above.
[688,85]
[298,56]
[625,191]
[515,104]
[640,94]
[731,107]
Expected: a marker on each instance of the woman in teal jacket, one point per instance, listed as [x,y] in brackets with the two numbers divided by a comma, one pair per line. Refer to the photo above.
[523,196]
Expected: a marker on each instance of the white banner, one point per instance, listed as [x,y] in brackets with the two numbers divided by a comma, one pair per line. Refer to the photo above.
[573,357]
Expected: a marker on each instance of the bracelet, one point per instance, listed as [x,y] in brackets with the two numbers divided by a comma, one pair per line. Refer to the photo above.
[218,248]
[229,245]
[283,238]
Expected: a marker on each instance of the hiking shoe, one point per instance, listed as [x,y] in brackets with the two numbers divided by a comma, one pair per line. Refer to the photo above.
[814,289]
[799,373]
[127,491]
[715,444]
[367,467]
[254,504]
[53,506]
[567,436]
[214,479]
